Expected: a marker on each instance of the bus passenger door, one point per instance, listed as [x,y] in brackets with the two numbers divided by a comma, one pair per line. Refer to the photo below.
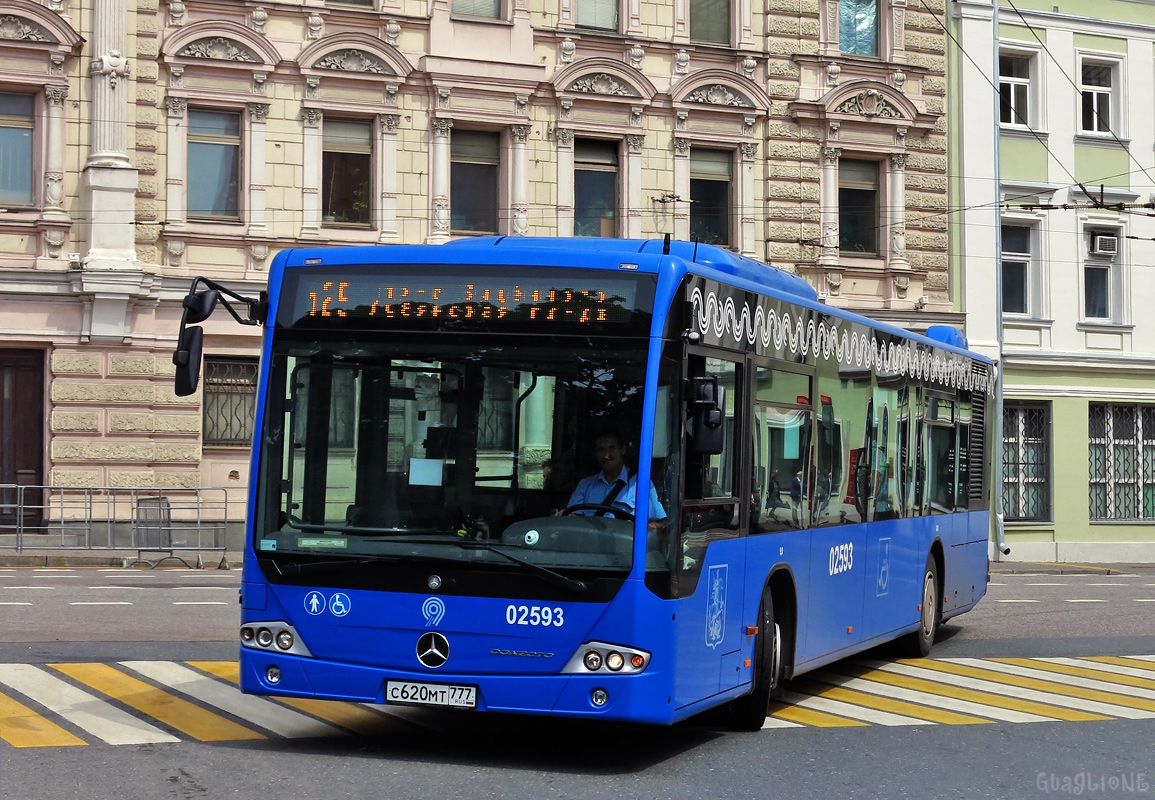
[710,554]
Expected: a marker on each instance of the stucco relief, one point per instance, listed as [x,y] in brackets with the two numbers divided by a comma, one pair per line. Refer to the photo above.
[219,48]
[603,83]
[17,29]
[869,103]
[716,94]
[353,60]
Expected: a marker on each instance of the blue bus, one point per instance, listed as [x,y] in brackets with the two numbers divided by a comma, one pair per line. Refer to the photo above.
[615,479]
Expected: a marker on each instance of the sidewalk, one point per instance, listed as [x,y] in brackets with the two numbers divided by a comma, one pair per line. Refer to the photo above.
[64,558]
[1051,568]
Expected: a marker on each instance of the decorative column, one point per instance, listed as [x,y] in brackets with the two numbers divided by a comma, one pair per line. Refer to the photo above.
[897,212]
[747,235]
[632,227]
[54,157]
[829,211]
[176,198]
[518,181]
[258,114]
[565,189]
[439,157]
[387,179]
[311,174]
[682,188]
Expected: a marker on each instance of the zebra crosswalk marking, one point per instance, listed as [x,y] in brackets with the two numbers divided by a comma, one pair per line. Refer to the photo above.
[264,713]
[850,710]
[1138,662]
[1049,692]
[808,716]
[87,712]
[1117,693]
[1086,669]
[1116,670]
[355,718]
[20,726]
[173,711]
[847,690]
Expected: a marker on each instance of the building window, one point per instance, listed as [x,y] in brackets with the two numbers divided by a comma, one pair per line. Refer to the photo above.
[710,178]
[1096,85]
[1026,462]
[858,27]
[16,122]
[858,186]
[595,188]
[1014,89]
[1016,266]
[230,400]
[346,177]
[710,21]
[214,163]
[1122,462]
[1096,291]
[490,9]
[473,182]
[599,15]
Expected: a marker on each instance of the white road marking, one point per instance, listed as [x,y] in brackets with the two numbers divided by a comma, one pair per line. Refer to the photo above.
[269,715]
[13,603]
[53,569]
[27,587]
[1115,669]
[850,710]
[774,722]
[1019,692]
[1144,599]
[103,720]
[1106,584]
[199,603]
[1085,601]
[996,584]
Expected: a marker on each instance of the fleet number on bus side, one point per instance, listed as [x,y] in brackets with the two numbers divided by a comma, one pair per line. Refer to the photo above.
[534,615]
[841,558]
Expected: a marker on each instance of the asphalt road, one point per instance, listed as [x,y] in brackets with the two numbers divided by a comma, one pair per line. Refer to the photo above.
[1025,653]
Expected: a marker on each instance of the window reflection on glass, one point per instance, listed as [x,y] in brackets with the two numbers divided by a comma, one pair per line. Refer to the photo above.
[1015,266]
[595,179]
[1095,292]
[597,14]
[710,196]
[858,212]
[858,27]
[1014,89]
[16,125]
[473,182]
[214,154]
[710,21]
[1095,87]
[346,171]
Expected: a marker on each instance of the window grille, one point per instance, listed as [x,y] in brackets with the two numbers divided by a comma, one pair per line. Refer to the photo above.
[230,401]
[1121,462]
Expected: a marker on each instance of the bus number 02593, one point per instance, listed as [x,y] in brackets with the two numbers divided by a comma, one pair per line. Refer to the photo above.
[841,558]
[534,615]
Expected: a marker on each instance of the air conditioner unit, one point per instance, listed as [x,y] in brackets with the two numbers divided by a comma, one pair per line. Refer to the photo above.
[1104,244]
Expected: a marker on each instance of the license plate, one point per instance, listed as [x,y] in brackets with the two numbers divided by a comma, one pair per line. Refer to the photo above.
[431,694]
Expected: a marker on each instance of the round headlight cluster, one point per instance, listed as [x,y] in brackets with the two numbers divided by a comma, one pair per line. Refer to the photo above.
[267,637]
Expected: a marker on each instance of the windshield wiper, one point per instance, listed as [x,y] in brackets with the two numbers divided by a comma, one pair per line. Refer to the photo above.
[556,578]
[297,567]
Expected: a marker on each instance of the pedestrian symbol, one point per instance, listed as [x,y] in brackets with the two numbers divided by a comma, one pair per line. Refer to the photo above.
[339,605]
[315,603]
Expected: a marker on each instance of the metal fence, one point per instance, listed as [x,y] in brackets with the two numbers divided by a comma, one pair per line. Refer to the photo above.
[156,522]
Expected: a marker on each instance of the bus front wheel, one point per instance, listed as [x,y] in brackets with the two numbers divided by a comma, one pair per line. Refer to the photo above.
[749,712]
[918,643]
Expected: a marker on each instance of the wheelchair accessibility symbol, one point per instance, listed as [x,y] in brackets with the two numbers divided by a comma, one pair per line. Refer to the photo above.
[339,604]
[882,585]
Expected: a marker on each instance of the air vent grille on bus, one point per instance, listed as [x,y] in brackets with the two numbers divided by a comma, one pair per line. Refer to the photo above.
[976,477]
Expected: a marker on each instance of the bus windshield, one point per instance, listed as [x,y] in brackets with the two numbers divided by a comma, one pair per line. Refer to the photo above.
[456,446]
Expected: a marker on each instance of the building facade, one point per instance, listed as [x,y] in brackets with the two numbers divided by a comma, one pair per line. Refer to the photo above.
[1071,261]
[143,143]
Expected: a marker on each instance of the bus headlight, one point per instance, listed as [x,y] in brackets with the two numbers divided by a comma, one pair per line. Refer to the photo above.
[277,635]
[604,657]
[285,640]
[264,637]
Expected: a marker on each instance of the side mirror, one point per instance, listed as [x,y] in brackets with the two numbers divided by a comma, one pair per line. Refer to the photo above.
[187,360]
[199,306]
[709,400]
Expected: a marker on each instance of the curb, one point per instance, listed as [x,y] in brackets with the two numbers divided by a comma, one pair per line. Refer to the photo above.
[1049,568]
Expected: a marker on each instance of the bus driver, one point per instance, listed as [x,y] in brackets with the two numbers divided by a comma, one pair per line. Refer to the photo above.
[613,486]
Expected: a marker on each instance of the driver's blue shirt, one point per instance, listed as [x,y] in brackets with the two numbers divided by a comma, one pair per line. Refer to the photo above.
[594,490]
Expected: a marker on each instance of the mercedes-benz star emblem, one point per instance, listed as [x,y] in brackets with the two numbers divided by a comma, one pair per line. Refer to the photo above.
[432,650]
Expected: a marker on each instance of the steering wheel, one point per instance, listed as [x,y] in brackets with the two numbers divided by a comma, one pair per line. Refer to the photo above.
[618,513]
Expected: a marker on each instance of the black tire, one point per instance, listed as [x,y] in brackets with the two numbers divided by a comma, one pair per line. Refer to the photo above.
[748,713]
[919,643]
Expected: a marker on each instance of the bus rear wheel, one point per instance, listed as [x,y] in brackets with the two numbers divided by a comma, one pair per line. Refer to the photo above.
[748,713]
[919,643]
